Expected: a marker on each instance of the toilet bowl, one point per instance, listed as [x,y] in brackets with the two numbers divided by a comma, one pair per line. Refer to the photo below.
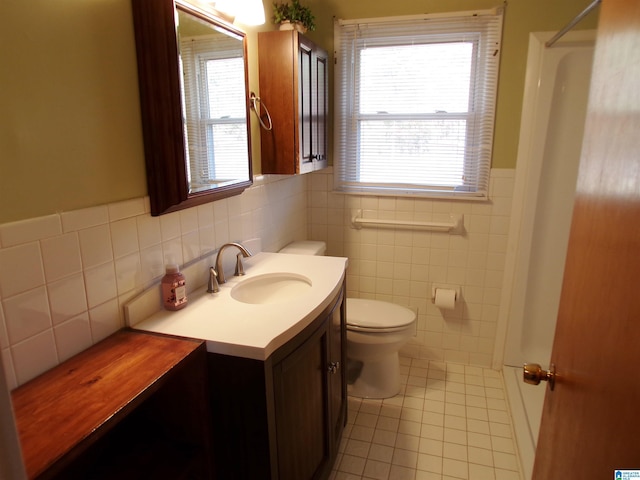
[376,331]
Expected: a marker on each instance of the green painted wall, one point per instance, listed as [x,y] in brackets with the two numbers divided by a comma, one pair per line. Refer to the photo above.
[70,133]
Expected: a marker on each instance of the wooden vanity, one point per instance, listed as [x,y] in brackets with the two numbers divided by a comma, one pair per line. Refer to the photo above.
[149,404]
[282,418]
[134,405]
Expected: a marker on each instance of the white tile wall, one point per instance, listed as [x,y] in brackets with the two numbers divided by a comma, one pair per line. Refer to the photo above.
[64,278]
[401,265]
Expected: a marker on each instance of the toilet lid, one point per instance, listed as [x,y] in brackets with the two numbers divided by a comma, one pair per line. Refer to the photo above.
[376,314]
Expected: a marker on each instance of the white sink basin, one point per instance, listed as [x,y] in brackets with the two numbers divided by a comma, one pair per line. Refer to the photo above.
[254,315]
[277,287]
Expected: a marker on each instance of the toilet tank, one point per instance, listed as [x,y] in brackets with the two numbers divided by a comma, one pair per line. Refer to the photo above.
[305,247]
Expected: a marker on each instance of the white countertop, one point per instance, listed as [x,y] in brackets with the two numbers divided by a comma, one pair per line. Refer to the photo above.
[248,330]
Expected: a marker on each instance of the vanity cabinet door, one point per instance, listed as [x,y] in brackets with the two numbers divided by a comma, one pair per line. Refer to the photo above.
[293,87]
[310,396]
[300,384]
[337,372]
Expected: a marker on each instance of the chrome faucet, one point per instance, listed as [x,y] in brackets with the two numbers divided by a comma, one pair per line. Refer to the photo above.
[239,267]
[213,286]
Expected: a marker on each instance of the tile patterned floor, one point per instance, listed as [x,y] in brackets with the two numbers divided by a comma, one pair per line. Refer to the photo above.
[449,422]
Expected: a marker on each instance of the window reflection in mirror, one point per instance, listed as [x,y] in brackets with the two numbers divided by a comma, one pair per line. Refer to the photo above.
[214,99]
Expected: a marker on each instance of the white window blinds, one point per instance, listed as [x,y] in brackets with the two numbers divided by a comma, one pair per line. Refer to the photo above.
[415,104]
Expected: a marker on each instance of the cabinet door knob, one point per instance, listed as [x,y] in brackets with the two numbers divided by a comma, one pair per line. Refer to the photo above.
[333,367]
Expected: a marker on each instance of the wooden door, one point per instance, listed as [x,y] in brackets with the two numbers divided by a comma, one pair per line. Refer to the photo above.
[591,420]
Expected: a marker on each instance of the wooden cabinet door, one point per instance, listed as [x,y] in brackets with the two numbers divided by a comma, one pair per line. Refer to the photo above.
[312,102]
[306,87]
[321,107]
[337,372]
[293,86]
[278,76]
[300,387]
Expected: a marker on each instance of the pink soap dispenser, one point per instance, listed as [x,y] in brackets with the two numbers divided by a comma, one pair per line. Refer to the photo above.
[174,289]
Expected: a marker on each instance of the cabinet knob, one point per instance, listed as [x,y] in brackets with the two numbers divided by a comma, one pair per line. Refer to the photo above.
[333,367]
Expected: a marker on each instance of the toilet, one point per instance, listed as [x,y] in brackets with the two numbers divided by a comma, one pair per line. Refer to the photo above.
[376,331]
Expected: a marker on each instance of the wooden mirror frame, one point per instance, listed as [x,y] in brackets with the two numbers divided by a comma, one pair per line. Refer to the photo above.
[161,105]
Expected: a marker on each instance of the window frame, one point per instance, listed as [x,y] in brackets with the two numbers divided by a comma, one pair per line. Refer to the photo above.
[349,119]
[206,124]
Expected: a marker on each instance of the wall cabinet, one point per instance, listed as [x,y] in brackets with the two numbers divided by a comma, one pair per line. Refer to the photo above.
[293,87]
[282,418]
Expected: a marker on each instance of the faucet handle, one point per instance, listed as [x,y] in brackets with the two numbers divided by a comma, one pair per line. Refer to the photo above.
[239,266]
[213,286]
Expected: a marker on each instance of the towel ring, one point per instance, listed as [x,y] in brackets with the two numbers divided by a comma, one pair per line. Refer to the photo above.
[256,108]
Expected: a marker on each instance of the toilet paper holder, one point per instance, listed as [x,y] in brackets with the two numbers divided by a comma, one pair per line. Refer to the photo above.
[436,286]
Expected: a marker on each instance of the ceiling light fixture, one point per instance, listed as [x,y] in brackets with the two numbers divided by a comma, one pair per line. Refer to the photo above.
[247,12]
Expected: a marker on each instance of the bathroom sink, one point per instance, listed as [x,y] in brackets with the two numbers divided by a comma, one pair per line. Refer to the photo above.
[271,288]
[255,314]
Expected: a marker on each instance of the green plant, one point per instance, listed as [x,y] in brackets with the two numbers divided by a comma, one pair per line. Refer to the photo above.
[294,12]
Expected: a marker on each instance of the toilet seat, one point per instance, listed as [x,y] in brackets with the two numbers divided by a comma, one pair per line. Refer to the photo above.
[376,316]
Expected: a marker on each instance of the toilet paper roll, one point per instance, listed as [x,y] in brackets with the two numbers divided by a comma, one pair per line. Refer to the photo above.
[445,298]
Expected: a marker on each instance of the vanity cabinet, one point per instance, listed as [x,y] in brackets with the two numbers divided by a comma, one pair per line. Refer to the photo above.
[282,418]
[294,89]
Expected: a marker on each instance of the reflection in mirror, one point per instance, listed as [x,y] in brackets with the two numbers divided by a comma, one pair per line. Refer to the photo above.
[192,69]
[214,97]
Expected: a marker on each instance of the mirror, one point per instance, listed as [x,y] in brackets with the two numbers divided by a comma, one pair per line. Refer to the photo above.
[192,72]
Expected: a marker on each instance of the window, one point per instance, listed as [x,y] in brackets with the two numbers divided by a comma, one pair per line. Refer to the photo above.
[217,129]
[415,102]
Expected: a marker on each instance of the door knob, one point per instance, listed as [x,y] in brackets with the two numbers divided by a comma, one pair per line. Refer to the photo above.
[333,367]
[533,374]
